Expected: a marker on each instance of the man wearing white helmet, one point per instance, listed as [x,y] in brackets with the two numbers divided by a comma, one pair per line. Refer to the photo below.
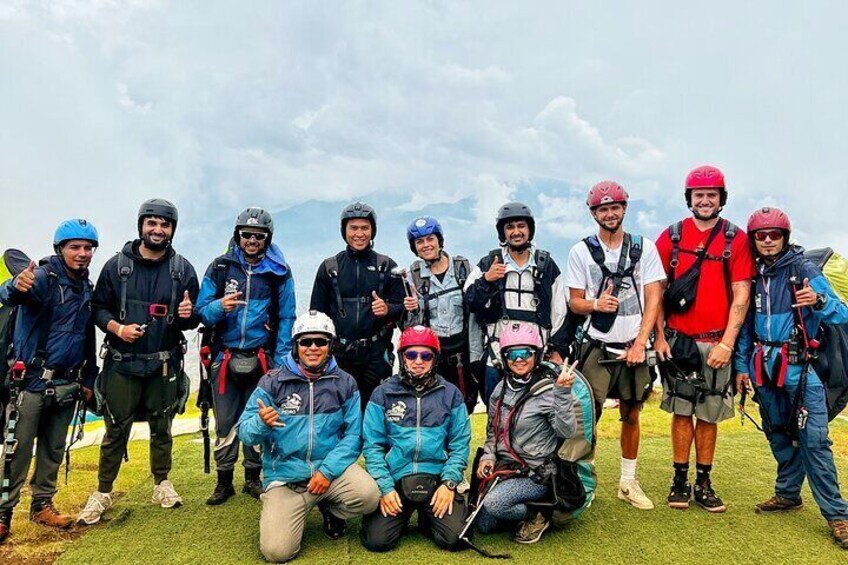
[305,415]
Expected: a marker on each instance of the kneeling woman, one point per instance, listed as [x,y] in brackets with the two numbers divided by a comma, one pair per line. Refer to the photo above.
[531,410]
[416,433]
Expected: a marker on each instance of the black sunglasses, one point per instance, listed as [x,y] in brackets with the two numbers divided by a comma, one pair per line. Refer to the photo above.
[316,341]
[413,355]
[258,236]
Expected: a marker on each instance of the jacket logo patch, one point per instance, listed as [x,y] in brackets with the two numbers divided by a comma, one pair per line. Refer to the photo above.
[396,412]
[231,287]
[758,302]
[291,404]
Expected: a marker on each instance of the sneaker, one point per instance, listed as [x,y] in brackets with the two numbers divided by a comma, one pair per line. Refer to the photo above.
[5,524]
[680,494]
[98,503]
[631,491]
[778,504]
[165,496]
[530,531]
[45,513]
[334,527]
[706,498]
[839,528]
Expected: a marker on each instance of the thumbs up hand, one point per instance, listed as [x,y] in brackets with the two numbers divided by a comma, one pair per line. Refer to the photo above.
[25,281]
[807,296]
[496,271]
[378,305]
[185,308]
[606,302]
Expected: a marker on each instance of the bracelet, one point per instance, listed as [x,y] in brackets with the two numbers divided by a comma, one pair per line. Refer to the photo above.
[595,305]
[121,331]
[725,347]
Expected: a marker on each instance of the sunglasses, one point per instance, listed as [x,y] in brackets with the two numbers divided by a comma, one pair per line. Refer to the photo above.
[423,355]
[517,353]
[316,341]
[260,236]
[774,235]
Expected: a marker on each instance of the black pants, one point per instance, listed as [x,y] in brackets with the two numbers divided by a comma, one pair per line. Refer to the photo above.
[382,533]
[456,370]
[369,366]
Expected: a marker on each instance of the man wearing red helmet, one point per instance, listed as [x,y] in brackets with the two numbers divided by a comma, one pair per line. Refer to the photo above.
[709,267]
[791,300]
[615,280]
[416,433]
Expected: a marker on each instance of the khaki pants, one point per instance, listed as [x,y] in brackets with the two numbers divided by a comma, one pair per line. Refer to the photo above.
[284,511]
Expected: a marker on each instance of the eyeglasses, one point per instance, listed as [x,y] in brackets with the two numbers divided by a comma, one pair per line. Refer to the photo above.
[316,341]
[258,236]
[414,355]
[517,353]
[774,235]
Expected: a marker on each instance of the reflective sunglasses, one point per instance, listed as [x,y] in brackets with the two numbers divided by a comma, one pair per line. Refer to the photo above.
[316,341]
[423,355]
[517,353]
[774,235]
[260,236]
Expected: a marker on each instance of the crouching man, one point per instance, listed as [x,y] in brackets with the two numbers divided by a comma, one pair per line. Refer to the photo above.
[305,416]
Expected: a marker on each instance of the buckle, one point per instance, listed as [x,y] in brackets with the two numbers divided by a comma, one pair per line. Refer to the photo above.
[50,391]
[10,446]
[47,374]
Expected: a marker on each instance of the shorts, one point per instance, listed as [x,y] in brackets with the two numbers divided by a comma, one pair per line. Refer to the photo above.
[631,385]
[713,400]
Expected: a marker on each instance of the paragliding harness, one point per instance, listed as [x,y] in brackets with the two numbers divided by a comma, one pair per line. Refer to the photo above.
[682,372]
[461,269]
[543,260]
[331,268]
[681,291]
[60,395]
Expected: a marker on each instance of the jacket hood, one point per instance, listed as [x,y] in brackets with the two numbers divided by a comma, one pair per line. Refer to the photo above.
[789,257]
[273,262]
[130,249]
[292,367]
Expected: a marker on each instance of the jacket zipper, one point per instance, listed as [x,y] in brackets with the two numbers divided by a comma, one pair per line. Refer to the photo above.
[311,429]
[417,434]
[248,273]
[358,302]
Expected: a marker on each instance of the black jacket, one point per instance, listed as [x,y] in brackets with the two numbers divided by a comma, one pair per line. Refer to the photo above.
[150,283]
[358,275]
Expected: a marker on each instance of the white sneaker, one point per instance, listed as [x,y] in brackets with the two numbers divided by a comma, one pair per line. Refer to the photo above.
[98,503]
[631,491]
[165,496]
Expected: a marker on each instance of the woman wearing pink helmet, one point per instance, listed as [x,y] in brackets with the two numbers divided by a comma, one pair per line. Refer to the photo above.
[530,411]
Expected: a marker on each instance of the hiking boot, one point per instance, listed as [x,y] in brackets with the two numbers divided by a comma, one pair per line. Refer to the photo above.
[252,483]
[5,524]
[165,496]
[680,494]
[706,498]
[631,491]
[45,513]
[839,528]
[334,527]
[778,504]
[98,503]
[223,490]
[530,531]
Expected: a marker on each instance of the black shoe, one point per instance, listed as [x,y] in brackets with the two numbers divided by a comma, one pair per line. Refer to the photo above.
[778,504]
[706,498]
[5,524]
[680,494]
[223,490]
[334,527]
[252,483]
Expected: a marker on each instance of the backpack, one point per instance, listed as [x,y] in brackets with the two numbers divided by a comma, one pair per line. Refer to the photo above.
[831,360]
[461,269]
[632,249]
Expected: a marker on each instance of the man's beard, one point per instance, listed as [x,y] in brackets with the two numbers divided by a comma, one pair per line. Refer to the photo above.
[610,230]
[520,247]
[701,217]
[153,246]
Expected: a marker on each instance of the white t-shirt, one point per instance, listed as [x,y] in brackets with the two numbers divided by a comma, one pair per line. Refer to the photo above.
[583,273]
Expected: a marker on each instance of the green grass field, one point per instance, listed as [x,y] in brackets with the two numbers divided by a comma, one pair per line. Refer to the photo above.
[608,532]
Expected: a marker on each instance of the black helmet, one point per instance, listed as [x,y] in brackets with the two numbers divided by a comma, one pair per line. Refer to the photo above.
[254,217]
[514,211]
[160,208]
[359,210]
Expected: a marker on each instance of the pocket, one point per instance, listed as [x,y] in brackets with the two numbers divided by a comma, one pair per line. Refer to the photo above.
[67,394]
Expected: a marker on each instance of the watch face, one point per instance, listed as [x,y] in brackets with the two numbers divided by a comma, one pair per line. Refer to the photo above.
[450,484]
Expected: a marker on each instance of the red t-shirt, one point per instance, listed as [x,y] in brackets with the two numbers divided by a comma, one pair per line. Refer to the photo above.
[711,309]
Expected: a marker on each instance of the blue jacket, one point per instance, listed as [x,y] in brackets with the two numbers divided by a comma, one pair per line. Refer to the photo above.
[771,318]
[70,337]
[323,423]
[406,433]
[244,327]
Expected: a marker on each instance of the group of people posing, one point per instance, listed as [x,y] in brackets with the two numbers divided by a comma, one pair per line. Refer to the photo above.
[711,309]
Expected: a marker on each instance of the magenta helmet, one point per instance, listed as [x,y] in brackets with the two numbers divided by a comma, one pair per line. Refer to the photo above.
[520,333]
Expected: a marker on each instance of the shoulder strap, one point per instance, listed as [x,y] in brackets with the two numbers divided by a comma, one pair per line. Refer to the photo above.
[461,268]
[383,271]
[331,267]
[597,253]
[675,232]
[219,272]
[125,271]
[542,260]
[495,253]
[176,265]
[730,231]
[44,320]
[417,280]
[635,249]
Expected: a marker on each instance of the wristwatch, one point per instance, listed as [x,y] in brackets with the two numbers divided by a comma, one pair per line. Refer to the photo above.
[821,300]
[450,484]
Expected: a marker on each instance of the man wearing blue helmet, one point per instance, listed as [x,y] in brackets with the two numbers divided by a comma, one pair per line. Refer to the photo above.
[436,301]
[54,362]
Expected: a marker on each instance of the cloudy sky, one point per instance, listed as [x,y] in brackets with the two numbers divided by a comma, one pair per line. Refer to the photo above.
[442,107]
